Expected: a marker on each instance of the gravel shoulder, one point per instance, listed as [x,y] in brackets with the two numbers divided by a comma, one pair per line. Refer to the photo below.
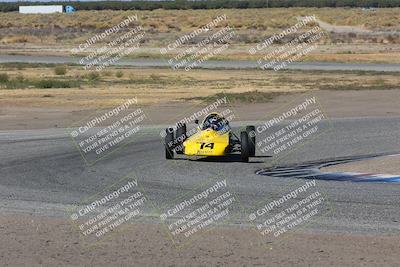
[45,241]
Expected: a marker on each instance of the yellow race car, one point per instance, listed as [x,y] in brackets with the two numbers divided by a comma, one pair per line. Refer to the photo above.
[212,138]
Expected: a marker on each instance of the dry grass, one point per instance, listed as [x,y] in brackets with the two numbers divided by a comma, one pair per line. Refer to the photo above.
[184,20]
[165,86]
[166,24]
[12,39]
[53,34]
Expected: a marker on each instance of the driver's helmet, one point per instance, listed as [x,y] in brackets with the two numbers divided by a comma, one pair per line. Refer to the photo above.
[215,122]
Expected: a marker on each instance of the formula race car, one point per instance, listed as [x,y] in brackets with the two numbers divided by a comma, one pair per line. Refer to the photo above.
[213,137]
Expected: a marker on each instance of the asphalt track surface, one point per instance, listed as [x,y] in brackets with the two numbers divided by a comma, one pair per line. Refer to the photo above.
[42,172]
[211,64]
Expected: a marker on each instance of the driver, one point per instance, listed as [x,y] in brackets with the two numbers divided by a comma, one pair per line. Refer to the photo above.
[215,122]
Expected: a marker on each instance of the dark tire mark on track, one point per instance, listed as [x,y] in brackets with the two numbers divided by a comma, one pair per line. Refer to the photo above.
[312,170]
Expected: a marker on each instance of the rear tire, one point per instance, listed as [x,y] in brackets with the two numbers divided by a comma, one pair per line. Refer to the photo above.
[251,132]
[180,137]
[244,146]
[169,142]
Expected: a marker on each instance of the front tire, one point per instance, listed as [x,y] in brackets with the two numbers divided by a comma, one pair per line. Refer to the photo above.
[180,137]
[251,132]
[169,142]
[244,146]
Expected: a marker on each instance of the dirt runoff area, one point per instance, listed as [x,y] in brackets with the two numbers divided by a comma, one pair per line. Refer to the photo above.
[29,240]
[381,165]
[336,104]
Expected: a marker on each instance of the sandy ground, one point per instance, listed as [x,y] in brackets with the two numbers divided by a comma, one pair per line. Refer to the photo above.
[336,104]
[382,165]
[42,241]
